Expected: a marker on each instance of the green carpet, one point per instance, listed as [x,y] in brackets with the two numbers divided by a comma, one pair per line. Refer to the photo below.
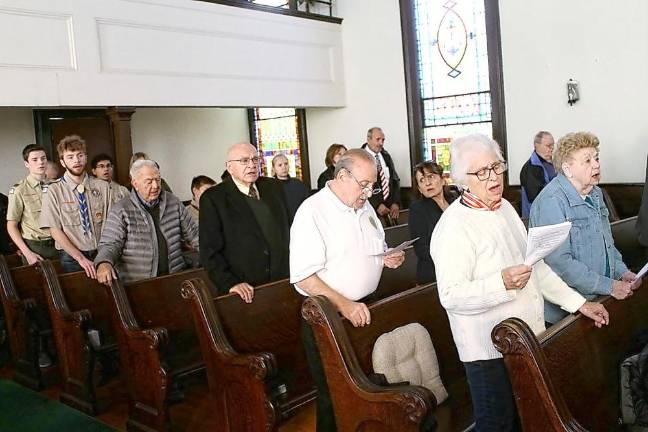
[24,410]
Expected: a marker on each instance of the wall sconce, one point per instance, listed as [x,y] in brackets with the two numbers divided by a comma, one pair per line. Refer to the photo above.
[572,92]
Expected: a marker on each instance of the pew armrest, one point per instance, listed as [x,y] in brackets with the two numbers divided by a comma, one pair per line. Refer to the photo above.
[540,403]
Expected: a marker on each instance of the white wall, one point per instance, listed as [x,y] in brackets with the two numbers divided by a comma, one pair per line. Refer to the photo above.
[375,86]
[187,142]
[600,43]
[164,53]
[16,131]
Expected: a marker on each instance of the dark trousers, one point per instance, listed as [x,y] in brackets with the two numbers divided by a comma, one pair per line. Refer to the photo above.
[324,414]
[44,248]
[492,396]
[70,265]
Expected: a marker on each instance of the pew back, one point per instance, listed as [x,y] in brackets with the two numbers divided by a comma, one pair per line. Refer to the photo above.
[337,339]
[396,235]
[393,281]
[257,368]
[568,376]
[627,242]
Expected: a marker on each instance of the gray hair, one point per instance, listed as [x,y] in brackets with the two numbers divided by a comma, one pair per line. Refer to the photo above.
[372,130]
[537,139]
[465,145]
[349,159]
[141,163]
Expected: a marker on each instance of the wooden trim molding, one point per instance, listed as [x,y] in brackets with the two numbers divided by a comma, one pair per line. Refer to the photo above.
[120,123]
[275,10]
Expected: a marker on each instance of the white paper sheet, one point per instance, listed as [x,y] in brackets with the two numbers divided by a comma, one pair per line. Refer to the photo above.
[398,248]
[544,240]
[642,272]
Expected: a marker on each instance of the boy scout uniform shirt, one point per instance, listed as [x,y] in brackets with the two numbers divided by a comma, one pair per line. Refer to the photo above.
[25,199]
[118,192]
[61,209]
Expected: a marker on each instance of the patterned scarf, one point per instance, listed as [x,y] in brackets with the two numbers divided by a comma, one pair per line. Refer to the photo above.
[472,201]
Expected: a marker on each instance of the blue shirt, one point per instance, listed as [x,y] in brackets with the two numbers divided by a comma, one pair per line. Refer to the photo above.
[587,261]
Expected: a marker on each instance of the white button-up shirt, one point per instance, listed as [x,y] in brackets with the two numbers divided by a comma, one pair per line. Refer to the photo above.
[338,244]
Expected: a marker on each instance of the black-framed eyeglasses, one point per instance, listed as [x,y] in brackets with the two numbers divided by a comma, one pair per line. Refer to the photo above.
[367,190]
[485,173]
[245,161]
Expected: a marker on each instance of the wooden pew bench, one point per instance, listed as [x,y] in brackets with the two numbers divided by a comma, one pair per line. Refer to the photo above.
[393,281]
[346,354]
[396,235]
[627,242]
[14,260]
[157,343]
[28,323]
[567,378]
[77,305]
[256,365]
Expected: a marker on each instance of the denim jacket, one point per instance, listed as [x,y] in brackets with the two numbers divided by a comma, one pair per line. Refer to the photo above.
[581,260]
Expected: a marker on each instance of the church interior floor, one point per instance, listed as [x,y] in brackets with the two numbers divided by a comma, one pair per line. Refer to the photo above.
[194,415]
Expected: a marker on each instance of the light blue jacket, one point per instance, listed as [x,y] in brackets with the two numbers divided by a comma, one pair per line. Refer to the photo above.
[581,261]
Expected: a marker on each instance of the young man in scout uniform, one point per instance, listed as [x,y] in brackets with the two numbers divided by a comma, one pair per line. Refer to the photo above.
[24,209]
[103,168]
[75,207]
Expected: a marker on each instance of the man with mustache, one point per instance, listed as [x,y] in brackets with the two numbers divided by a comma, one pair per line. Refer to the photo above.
[75,207]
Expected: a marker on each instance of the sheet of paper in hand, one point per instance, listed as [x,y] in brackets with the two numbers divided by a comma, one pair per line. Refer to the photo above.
[544,240]
[398,248]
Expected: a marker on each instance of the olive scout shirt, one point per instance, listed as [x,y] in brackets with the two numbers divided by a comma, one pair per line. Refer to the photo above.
[25,199]
[61,209]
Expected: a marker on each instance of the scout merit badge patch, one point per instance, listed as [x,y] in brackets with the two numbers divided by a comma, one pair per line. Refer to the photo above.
[373,222]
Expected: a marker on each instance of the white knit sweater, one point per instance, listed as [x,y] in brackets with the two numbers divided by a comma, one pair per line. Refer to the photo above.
[470,248]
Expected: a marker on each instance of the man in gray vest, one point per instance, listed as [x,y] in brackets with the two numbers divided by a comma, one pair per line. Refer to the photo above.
[144,234]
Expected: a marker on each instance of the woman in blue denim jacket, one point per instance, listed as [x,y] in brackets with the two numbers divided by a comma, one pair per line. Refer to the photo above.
[587,261]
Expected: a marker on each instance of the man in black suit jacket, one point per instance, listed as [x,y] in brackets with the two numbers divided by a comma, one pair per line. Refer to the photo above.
[244,234]
[388,200]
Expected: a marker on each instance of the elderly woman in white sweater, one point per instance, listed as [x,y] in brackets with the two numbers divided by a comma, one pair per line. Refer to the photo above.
[478,247]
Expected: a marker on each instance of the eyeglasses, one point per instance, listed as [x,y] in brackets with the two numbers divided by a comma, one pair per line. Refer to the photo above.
[365,189]
[245,161]
[429,178]
[485,173]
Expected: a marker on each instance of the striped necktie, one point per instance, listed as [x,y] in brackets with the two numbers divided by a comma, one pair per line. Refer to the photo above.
[384,186]
[83,209]
[253,192]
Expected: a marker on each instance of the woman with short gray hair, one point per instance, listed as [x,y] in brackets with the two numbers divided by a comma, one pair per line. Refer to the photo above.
[478,247]
[588,260]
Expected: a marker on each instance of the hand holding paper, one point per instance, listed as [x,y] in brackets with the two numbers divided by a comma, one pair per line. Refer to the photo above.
[398,248]
[544,240]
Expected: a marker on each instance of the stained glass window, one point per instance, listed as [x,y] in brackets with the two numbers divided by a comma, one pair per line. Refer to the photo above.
[453,73]
[277,130]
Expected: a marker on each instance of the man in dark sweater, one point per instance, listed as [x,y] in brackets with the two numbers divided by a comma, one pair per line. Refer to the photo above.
[642,220]
[244,236]
[537,171]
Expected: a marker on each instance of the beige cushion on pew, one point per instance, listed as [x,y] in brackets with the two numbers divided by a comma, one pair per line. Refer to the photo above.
[407,354]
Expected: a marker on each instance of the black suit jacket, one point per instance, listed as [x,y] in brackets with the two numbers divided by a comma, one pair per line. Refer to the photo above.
[394,184]
[233,248]
[423,217]
[642,220]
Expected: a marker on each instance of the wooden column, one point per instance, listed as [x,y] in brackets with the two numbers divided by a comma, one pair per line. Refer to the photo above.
[120,122]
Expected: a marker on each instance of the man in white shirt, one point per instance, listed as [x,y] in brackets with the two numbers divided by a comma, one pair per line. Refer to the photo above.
[386,198]
[334,240]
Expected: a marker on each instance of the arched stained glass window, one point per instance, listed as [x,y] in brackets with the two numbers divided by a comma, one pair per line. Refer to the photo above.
[453,71]
[278,130]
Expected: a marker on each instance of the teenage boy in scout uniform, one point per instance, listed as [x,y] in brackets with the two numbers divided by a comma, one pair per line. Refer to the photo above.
[103,168]
[24,209]
[75,207]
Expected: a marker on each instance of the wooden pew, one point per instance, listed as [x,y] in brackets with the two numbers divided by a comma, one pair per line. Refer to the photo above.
[346,354]
[256,366]
[399,279]
[78,304]
[567,378]
[157,343]
[396,235]
[14,260]
[27,321]
[626,241]
[403,219]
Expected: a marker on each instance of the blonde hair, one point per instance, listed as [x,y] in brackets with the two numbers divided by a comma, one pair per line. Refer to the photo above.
[571,142]
[69,144]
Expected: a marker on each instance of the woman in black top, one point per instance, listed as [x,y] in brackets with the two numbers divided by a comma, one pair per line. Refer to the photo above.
[294,190]
[433,197]
[333,154]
